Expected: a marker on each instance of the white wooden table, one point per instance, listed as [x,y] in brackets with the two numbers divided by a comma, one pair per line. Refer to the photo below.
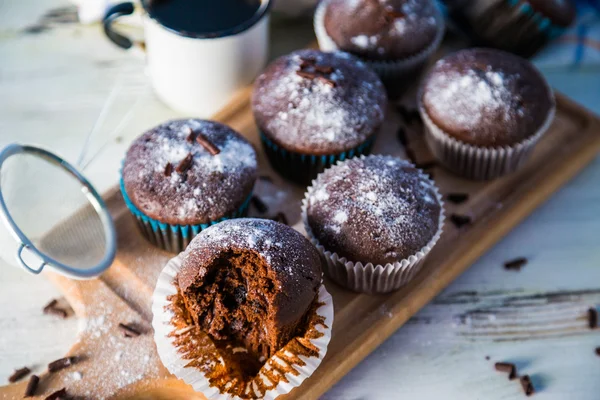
[54,83]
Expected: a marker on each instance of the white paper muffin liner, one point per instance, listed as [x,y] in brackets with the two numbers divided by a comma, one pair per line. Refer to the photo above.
[479,163]
[388,71]
[370,278]
[173,360]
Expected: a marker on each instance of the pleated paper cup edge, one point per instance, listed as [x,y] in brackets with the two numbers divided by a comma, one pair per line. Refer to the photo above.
[389,271]
[169,356]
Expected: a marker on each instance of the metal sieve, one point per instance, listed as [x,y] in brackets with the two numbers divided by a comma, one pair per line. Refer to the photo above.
[56,216]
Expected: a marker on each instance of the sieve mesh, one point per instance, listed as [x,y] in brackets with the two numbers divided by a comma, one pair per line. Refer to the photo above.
[55,211]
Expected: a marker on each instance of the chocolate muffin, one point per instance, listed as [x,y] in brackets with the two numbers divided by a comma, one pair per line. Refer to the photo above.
[250,282]
[486,99]
[394,37]
[377,209]
[386,30]
[184,175]
[521,27]
[315,108]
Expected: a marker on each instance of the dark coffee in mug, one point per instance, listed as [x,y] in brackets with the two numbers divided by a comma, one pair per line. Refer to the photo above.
[204,18]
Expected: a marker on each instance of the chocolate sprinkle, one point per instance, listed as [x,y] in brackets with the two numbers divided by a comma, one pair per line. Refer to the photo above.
[191,135]
[59,394]
[457,198]
[19,374]
[61,363]
[527,385]
[515,264]
[593,318]
[32,386]
[129,331]
[185,164]
[507,367]
[260,206]
[460,220]
[204,142]
[168,169]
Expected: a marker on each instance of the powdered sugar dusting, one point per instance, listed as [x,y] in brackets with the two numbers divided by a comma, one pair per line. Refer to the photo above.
[213,185]
[379,207]
[310,115]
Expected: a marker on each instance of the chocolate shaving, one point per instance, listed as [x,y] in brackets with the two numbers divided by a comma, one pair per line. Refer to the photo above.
[324,69]
[427,165]
[592,318]
[527,385]
[19,374]
[393,13]
[50,305]
[327,81]
[207,144]
[457,198]
[168,169]
[460,220]
[61,312]
[32,386]
[191,135]
[280,217]
[305,74]
[61,363]
[507,367]
[515,264]
[185,164]
[129,331]
[401,135]
[58,395]
[260,206]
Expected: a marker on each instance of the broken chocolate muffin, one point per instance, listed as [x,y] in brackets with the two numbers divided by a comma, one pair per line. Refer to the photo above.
[250,282]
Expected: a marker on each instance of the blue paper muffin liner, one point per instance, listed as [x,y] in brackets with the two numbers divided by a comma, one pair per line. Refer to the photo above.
[173,238]
[303,168]
[512,25]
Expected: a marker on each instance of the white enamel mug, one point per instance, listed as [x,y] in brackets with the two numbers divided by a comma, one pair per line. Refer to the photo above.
[198,74]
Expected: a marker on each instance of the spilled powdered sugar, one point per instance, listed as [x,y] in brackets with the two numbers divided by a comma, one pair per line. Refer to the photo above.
[212,186]
[309,115]
[378,208]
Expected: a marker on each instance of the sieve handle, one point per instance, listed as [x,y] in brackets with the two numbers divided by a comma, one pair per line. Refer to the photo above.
[24,264]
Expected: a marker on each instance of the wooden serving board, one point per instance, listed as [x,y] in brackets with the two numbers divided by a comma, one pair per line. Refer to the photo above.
[361,322]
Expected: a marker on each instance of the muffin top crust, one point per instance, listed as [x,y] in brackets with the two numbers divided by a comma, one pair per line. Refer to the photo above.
[486,97]
[189,171]
[377,209]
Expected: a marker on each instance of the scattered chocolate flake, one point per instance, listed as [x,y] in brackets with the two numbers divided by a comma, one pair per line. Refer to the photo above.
[598,351]
[324,69]
[593,318]
[401,135]
[260,206]
[309,70]
[185,164]
[32,386]
[460,220]
[507,367]
[58,395]
[50,305]
[61,363]
[19,374]
[410,155]
[457,198]
[168,169]
[191,135]
[427,165]
[515,264]
[61,312]
[527,385]
[129,331]
[394,14]
[207,144]
[280,217]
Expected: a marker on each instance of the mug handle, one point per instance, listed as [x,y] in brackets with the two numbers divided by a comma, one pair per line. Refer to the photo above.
[113,13]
